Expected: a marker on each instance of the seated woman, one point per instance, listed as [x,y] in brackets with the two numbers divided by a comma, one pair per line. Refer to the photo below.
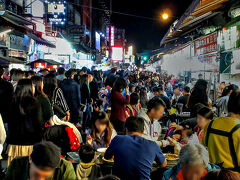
[102,131]
[134,107]
[193,164]
[204,116]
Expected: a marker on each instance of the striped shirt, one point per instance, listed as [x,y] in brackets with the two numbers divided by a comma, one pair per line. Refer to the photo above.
[59,100]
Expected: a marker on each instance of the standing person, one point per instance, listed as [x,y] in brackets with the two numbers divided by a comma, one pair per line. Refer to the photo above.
[134,155]
[198,95]
[56,97]
[43,163]
[111,77]
[118,102]
[102,131]
[184,99]
[93,85]
[143,97]
[152,128]
[71,91]
[86,100]
[222,102]
[61,74]
[6,94]
[160,94]
[25,124]
[47,111]
[134,107]
[222,136]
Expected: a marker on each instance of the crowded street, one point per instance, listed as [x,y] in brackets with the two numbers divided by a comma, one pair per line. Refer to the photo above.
[119,90]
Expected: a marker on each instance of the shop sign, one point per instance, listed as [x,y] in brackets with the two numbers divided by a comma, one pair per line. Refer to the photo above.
[227,38]
[57,12]
[18,42]
[52,66]
[112,36]
[78,30]
[98,39]
[235,12]
[17,53]
[206,45]
[107,33]
[39,65]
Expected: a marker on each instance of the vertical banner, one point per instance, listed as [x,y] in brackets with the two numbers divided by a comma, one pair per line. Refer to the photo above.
[112,36]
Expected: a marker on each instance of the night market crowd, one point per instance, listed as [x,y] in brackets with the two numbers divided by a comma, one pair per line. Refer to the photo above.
[119,124]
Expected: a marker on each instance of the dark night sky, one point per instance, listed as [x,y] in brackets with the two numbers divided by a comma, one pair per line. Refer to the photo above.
[146,34]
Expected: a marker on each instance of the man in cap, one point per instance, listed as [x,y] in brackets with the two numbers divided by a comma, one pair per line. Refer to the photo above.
[43,164]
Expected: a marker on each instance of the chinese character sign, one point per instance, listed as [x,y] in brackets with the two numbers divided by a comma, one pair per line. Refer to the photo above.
[206,45]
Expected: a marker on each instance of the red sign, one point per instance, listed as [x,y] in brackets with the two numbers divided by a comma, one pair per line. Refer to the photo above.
[52,66]
[206,45]
[40,65]
[112,36]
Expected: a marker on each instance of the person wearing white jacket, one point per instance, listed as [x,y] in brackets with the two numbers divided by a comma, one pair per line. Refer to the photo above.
[152,128]
[2,136]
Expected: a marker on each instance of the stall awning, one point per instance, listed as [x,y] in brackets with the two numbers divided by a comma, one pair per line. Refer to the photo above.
[40,40]
[5,61]
[16,18]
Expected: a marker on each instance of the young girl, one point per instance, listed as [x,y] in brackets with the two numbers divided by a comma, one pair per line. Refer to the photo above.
[204,116]
[102,131]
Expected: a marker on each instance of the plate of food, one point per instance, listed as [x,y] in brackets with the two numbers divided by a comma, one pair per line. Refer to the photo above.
[171,157]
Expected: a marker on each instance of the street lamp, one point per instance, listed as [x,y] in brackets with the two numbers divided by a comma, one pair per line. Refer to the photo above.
[165,16]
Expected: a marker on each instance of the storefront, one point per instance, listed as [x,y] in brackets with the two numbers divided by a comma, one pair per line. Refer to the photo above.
[45,64]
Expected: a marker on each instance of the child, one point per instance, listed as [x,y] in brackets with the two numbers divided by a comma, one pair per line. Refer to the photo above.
[87,169]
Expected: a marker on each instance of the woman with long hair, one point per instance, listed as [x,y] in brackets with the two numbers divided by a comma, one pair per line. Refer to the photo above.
[118,104]
[47,110]
[56,97]
[198,95]
[25,124]
[102,131]
[86,100]
[143,97]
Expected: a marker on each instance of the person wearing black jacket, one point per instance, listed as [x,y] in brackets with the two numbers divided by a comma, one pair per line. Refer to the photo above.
[25,122]
[72,94]
[6,94]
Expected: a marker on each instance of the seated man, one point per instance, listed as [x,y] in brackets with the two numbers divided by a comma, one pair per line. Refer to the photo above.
[152,128]
[134,155]
[43,163]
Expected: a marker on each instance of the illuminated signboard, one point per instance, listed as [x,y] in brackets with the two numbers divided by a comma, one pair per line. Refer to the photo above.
[39,65]
[97,41]
[56,12]
[107,33]
[117,53]
[112,36]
